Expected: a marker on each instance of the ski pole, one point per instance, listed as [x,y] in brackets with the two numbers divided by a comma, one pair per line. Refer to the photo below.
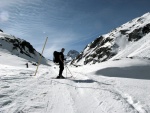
[66,72]
[40,56]
[69,71]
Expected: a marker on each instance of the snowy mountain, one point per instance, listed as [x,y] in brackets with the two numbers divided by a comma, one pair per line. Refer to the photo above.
[73,53]
[19,47]
[131,39]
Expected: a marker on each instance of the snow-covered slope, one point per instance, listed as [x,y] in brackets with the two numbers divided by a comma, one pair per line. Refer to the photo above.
[121,86]
[140,49]
[133,35]
[19,47]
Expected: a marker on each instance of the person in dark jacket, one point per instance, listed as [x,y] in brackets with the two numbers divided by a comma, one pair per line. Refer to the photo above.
[61,63]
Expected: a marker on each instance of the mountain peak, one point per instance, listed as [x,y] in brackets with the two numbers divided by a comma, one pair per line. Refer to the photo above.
[1,30]
[73,53]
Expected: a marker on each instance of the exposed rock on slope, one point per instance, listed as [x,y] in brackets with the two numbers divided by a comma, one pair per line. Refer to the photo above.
[107,46]
[20,47]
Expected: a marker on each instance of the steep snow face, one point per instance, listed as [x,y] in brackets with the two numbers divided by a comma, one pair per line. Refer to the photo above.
[140,49]
[117,41]
[19,47]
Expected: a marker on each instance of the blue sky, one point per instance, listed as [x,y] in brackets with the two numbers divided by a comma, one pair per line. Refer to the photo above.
[71,24]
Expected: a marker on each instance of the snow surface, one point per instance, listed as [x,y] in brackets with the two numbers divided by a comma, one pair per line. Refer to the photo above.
[139,49]
[120,86]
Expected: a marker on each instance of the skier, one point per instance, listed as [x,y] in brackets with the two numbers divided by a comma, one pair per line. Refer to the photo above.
[27,65]
[61,63]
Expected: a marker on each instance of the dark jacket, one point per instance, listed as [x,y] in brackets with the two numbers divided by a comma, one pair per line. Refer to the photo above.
[62,56]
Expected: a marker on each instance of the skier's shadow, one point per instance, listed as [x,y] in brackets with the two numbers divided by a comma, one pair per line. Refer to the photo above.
[84,81]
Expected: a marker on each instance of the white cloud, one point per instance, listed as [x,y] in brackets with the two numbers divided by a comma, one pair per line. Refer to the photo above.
[6,3]
[4,16]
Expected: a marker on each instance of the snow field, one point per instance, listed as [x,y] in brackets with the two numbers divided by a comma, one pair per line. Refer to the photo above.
[120,86]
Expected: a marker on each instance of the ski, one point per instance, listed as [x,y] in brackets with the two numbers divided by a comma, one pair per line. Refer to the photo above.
[61,78]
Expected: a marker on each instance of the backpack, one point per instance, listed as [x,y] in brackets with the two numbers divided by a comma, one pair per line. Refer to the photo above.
[56,56]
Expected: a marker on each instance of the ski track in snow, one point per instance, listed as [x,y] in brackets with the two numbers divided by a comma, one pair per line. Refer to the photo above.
[129,103]
[22,93]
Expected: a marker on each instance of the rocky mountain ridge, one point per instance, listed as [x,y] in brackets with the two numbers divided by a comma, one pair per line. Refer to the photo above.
[107,46]
[20,48]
